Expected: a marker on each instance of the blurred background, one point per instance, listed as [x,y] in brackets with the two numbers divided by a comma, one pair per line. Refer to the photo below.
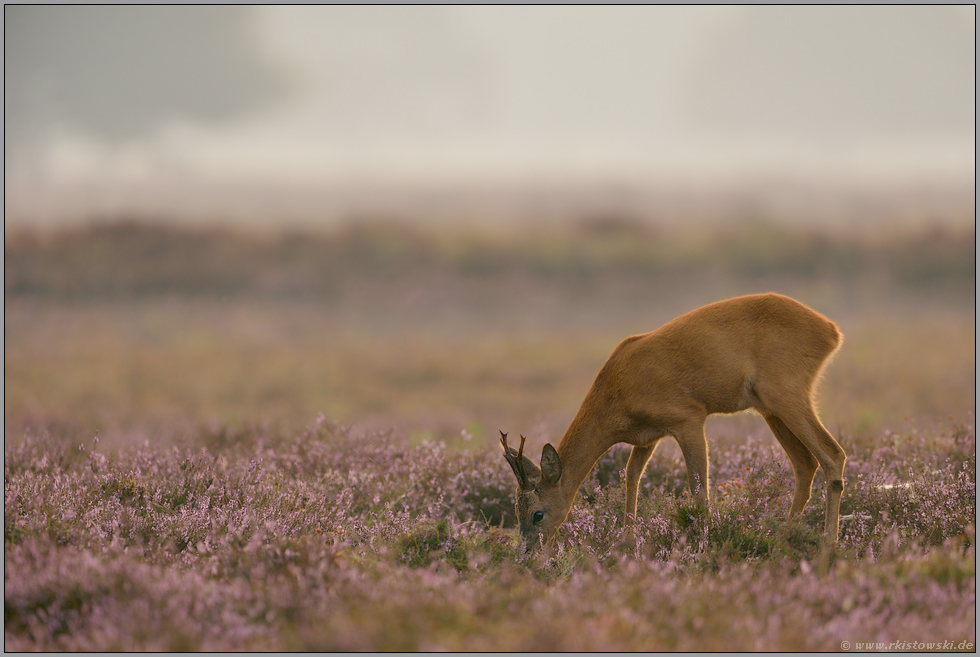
[445,218]
[286,115]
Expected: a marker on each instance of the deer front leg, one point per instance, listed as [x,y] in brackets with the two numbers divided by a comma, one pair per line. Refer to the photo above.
[694,446]
[637,463]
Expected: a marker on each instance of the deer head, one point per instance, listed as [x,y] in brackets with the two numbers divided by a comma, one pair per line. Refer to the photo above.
[539,502]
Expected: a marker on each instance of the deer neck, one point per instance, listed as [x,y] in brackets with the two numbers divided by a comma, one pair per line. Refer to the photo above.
[586,439]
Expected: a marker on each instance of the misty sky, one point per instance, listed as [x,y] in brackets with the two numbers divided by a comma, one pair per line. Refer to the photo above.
[306,94]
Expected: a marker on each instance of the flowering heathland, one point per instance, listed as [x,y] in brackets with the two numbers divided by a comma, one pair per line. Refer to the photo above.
[334,539]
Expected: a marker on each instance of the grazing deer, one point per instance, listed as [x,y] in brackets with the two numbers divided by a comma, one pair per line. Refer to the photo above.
[762,351]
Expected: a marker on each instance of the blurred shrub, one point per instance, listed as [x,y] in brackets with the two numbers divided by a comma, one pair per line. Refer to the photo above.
[135,259]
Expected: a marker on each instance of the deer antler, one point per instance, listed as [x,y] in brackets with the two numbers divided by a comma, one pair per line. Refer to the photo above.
[516,463]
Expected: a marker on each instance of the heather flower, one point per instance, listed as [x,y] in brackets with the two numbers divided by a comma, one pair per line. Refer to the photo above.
[329,539]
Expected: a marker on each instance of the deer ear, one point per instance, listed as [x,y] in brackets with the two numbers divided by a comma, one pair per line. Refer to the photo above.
[522,466]
[550,465]
[531,471]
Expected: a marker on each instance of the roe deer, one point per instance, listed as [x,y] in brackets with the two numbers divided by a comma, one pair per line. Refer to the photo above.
[762,351]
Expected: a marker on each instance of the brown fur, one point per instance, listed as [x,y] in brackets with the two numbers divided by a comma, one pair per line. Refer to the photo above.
[764,352]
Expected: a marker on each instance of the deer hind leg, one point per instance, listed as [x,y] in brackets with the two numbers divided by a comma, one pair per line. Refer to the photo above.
[803,462]
[694,446]
[805,425]
[637,463]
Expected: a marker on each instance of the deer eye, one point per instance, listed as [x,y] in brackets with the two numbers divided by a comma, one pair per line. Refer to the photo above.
[537,517]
